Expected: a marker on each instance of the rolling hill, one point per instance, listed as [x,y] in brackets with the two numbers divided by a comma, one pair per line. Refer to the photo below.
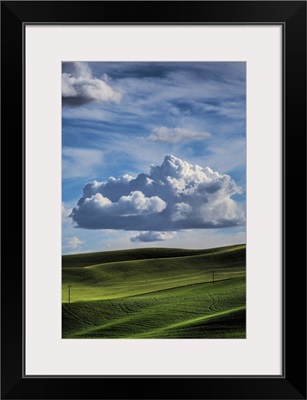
[155,293]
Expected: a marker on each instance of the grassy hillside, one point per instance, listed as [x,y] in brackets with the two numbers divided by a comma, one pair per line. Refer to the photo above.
[155,293]
[86,259]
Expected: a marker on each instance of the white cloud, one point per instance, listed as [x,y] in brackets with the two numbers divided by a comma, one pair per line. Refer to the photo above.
[152,236]
[80,86]
[72,243]
[135,203]
[176,135]
[174,196]
[79,162]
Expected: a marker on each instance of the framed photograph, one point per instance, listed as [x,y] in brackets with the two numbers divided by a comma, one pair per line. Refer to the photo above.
[163,155]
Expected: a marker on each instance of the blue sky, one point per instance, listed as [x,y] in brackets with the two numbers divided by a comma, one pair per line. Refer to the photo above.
[160,149]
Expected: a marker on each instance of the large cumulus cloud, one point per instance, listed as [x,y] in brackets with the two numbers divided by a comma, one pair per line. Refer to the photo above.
[176,195]
[79,86]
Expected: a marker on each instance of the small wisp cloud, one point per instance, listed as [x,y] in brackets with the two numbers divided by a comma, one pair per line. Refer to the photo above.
[153,236]
[176,135]
[79,162]
[175,195]
[72,243]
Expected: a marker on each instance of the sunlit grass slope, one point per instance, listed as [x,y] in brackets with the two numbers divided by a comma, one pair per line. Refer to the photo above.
[155,293]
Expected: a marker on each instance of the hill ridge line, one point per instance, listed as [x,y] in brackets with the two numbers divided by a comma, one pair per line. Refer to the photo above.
[163,328]
[155,291]
[136,254]
[164,258]
[191,321]
[179,287]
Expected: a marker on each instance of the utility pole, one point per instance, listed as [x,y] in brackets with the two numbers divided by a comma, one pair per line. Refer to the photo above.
[69,286]
[213,277]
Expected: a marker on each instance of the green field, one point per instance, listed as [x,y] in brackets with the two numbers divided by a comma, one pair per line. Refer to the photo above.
[155,293]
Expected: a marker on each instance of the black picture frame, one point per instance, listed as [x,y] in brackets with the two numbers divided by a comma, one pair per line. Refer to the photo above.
[292,16]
